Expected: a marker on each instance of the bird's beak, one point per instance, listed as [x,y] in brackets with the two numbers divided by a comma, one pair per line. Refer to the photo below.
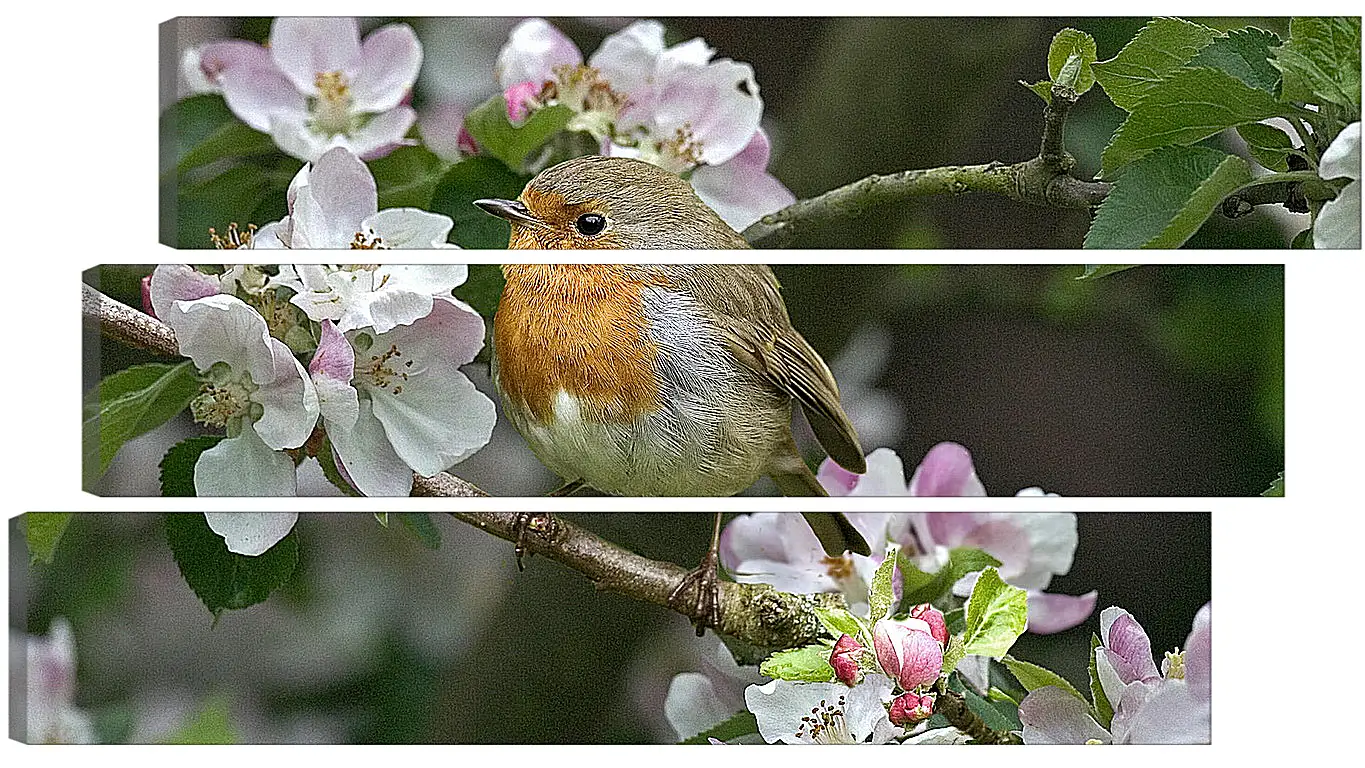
[511,210]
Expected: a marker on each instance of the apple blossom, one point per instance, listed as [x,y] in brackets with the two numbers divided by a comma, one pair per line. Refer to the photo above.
[1338,223]
[317,85]
[699,701]
[378,296]
[844,659]
[908,652]
[334,203]
[910,708]
[823,713]
[251,533]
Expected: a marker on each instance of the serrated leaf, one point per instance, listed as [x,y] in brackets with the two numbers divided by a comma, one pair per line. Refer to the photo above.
[804,665]
[201,129]
[1276,488]
[1244,54]
[1032,676]
[996,615]
[1268,145]
[739,724]
[421,526]
[1104,711]
[1043,88]
[953,654]
[881,597]
[224,580]
[1321,61]
[177,466]
[129,403]
[43,532]
[839,622]
[1096,271]
[406,177]
[469,180]
[1189,106]
[211,725]
[488,125]
[1065,44]
[1158,49]
[1165,197]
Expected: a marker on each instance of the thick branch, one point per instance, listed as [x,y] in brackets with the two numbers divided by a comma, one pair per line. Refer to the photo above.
[1045,180]
[755,614]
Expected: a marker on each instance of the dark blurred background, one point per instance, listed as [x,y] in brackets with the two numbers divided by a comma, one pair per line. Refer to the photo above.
[1156,381]
[378,639]
[848,97]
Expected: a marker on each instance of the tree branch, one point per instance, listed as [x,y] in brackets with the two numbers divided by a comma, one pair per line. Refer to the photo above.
[1045,180]
[953,706]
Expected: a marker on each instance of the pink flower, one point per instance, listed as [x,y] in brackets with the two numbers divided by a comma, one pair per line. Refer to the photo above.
[844,659]
[938,627]
[907,651]
[910,708]
[521,100]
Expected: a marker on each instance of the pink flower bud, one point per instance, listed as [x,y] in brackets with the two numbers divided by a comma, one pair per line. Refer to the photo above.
[911,708]
[844,659]
[932,616]
[147,296]
[521,99]
[907,651]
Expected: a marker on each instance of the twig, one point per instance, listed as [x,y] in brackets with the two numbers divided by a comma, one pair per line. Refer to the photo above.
[1045,180]
[953,706]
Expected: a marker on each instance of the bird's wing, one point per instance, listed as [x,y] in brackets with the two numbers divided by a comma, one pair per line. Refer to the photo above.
[748,309]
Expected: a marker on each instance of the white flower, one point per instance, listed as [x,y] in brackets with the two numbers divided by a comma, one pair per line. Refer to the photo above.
[251,533]
[740,189]
[52,716]
[334,203]
[320,86]
[380,297]
[254,388]
[395,403]
[699,701]
[1338,223]
[823,713]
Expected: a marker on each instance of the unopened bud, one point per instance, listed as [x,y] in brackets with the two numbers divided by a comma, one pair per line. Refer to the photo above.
[911,708]
[938,626]
[844,659]
[907,651]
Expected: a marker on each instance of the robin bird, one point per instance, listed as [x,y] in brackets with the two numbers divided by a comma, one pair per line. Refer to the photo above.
[656,379]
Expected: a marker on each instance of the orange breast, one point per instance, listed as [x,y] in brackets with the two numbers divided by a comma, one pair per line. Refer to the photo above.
[579,328]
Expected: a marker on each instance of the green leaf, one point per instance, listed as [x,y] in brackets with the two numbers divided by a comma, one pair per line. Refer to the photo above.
[211,725]
[42,532]
[469,180]
[839,622]
[201,130]
[996,616]
[245,194]
[221,579]
[1163,199]
[997,715]
[1065,44]
[1043,88]
[1303,240]
[483,289]
[1244,54]
[1104,711]
[881,597]
[1096,271]
[382,518]
[1032,676]
[1158,49]
[421,525]
[327,460]
[1321,61]
[739,724]
[177,466]
[406,177]
[1268,145]
[1190,105]
[805,665]
[953,654]
[129,403]
[1276,488]
[920,587]
[494,133]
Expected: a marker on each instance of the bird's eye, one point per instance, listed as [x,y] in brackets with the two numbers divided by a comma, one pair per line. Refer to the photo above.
[591,224]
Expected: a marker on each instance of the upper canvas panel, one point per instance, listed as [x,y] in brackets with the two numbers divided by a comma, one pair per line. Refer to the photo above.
[684,379]
[739,132]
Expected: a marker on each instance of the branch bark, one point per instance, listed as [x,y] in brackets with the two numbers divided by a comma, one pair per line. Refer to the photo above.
[1045,180]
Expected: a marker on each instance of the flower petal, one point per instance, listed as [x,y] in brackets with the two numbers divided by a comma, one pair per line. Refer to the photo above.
[946,471]
[534,48]
[1127,645]
[292,135]
[390,58]
[244,466]
[179,282]
[719,103]
[1049,613]
[628,59]
[222,328]
[221,55]
[367,457]
[383,133]
[740,189]
[329,209]
[1052,716]
[1199,654]
[251,533]
[305,47]
[256,95]
[409,228]
[289,401]
[693,706]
